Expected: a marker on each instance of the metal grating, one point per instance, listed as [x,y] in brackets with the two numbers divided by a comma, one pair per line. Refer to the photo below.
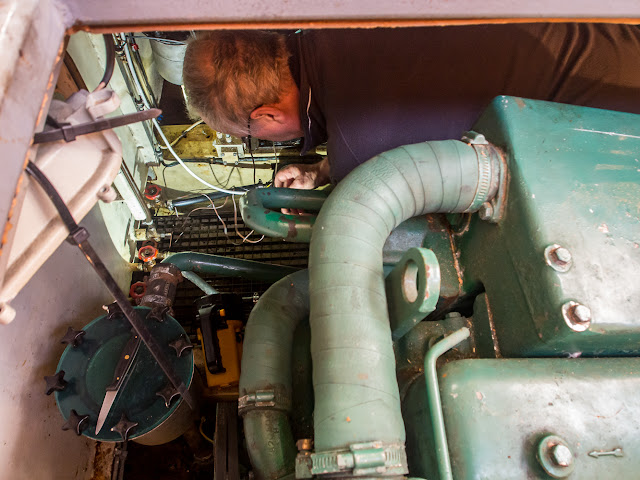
[204,233]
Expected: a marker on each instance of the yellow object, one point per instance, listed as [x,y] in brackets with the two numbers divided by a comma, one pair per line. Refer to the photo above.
[231,353]
[222,312]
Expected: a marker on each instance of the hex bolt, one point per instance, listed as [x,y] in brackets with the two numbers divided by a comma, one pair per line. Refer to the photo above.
[562,254]
[485,211]
[561,455]
[581,313]
[558,257]
[576,315]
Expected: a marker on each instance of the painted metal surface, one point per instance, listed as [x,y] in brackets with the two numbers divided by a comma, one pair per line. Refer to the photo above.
[413,289]
[90,367]
[94,13]
[65,291]
[260,210]
[32,34]
[575,182]
[498,411]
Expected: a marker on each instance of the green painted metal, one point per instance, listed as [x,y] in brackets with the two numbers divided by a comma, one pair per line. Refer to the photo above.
[354,375]
[497,411]
[260,210]
[267,368]
[228,266]
[413,289]
[555,456]
[432,232]
[89,369]
[574,182]
[199,282]
[433,397]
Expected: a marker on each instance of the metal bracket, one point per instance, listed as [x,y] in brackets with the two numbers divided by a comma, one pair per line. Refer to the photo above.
[264,399]
[370,459]
[413,288]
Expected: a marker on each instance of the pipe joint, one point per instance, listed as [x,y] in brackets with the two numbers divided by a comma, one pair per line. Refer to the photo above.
[276,399]
[371,459]
[489,166]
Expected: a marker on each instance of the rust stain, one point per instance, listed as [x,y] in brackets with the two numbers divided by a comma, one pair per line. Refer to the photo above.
[293,228]
[363,376]
[8,225]
[348,419]
[341,23]
[520,103]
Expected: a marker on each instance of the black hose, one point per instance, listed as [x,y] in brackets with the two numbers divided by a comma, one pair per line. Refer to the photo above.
[111,60]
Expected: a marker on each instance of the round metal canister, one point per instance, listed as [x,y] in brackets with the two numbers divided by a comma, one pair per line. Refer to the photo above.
[89,369]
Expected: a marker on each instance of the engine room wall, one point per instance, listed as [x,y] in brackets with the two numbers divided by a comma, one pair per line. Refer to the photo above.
[64,292]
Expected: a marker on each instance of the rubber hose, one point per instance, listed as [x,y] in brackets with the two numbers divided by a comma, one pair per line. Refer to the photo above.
[227,266]
[354,378]
[266,365]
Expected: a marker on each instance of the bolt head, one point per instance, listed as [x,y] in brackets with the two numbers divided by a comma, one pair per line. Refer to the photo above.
[558,257]
[561,455]
[485,211]
[576,316]
[582,313]
[562,254]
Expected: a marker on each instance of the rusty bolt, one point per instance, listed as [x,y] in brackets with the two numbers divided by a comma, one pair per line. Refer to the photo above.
[558,257]
[577,316]
[486,211]
[304,445]
[561,455]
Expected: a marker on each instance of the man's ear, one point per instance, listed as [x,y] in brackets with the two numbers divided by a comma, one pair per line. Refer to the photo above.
[268,112]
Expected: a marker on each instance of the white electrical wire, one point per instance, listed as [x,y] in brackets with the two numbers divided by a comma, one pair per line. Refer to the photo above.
[155,123]
[189,171]
[184,134]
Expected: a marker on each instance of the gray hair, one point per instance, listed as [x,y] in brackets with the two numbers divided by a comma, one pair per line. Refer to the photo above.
[227,74]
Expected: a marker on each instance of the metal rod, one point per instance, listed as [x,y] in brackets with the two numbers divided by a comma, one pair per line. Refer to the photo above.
[433,396]
[126,173]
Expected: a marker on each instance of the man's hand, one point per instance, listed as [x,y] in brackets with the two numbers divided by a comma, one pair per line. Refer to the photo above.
[302,176]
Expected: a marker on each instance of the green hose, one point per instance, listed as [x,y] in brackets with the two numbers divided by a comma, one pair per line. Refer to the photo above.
[355,387]
[266,368]
[227,266]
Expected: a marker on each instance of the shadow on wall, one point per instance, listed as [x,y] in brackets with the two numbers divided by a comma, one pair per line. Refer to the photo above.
[64,292]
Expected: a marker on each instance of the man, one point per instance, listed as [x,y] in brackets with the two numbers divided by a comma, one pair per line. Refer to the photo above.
[367,91]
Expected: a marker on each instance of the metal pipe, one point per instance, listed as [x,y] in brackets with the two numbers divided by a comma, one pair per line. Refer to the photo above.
[353,361]
[227,266]
[199,282]
[433,396]
[260,210]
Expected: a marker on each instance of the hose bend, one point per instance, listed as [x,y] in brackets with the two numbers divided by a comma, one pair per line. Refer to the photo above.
[354,379]
[266,378]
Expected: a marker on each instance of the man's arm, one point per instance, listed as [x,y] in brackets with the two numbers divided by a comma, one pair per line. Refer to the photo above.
[303,176]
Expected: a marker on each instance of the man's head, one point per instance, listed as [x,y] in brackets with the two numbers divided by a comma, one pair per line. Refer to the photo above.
[231,76]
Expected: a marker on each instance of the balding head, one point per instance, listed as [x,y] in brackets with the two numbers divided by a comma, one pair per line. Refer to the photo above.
[227,74]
